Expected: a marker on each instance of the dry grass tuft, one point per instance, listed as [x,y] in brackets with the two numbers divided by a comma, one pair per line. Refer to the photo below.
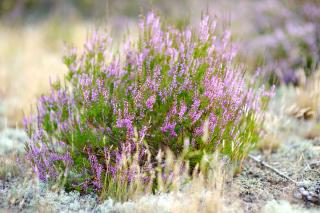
[313,132]
[203,193]
[271,139]
[8,167]
[307,102]
[304,108]
[269,143]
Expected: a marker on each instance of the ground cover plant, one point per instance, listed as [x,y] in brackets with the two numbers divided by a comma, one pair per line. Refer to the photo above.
[105,126]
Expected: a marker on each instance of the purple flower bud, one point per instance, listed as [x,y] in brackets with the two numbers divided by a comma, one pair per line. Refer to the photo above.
[150,102]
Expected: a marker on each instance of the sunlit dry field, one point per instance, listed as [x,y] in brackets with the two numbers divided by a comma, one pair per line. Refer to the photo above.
[30,56]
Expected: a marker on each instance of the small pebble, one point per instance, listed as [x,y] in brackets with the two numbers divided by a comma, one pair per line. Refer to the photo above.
[304,193]
[312,194]
[309,198]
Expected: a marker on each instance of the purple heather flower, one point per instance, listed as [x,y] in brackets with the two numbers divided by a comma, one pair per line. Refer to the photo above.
[143,131]
[97,169]
[86,95]
[204,29]
[94,95]
[150,102]
[183,109]
[169,127]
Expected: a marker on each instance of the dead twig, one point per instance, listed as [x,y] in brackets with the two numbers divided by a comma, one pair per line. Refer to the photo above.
[263,163]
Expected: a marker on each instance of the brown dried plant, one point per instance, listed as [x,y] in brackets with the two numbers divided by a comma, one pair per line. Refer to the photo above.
[306,104]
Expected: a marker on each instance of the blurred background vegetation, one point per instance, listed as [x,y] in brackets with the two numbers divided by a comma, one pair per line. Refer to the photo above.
[35,10]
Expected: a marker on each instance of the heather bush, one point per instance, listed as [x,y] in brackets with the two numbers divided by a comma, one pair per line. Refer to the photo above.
[286,40]
[104,126]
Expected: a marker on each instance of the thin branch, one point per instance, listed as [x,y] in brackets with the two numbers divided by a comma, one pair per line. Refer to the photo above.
[263,163]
